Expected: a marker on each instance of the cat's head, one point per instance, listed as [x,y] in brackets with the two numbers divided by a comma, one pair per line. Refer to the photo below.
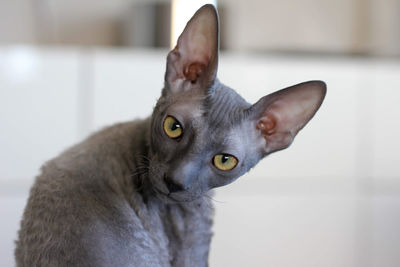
[203,134]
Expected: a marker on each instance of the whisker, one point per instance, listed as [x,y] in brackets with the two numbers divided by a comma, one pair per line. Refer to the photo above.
[214,200]
[138,172]
[142,168]
[143,157]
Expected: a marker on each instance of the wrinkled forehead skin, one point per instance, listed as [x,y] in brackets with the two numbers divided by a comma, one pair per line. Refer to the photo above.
[218,110]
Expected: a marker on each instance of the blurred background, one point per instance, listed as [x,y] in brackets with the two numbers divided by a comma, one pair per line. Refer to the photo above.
[68,68]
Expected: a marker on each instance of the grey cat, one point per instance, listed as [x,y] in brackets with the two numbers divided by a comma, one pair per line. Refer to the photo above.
[135,194]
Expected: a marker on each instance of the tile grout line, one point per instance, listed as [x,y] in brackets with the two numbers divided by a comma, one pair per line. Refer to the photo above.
[85,95]
[364,254]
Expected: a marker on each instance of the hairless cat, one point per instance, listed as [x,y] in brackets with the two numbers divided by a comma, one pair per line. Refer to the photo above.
[135,194]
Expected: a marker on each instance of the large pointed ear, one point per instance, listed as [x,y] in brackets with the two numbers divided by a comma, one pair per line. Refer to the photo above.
[192,64]
[278,117]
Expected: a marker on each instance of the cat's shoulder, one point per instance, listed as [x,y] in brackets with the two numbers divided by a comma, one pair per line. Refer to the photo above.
[90,163]
[122,130]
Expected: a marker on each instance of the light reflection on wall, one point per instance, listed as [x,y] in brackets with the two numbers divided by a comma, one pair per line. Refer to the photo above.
[20,64]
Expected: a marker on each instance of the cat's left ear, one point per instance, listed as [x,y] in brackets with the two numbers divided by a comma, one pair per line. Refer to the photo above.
[192,64]
[278,117]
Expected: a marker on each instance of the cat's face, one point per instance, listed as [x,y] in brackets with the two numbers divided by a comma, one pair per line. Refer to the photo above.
[200,142]
[203,134]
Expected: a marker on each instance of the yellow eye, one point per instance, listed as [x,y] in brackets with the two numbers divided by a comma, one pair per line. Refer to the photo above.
[225,162]
[172,127]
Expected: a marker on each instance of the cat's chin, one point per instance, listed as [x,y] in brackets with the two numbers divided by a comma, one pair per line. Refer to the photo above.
[174,198]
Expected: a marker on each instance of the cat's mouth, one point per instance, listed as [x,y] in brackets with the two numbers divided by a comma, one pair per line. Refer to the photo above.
[179,197]
[164,195]
[168,194]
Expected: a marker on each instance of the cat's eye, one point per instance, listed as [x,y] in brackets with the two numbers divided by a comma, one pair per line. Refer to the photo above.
[172,127]
[225,162]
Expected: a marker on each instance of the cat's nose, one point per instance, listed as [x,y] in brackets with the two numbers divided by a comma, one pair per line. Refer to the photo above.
[172,185]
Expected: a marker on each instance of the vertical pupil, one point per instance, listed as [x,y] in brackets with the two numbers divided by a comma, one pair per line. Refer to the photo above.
[224,158]
[174,126]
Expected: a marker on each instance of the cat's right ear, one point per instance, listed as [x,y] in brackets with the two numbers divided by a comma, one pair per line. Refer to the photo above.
[192,64]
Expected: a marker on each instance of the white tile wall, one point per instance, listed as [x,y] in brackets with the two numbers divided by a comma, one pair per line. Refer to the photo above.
[11,207]
[329,200]
[385,234]
[386,121]
[38,108]
[284,230]
[127,84]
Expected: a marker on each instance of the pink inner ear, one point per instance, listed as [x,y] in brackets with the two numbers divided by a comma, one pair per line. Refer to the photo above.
[193,71]
[267,124]
[195,52]
[276,136]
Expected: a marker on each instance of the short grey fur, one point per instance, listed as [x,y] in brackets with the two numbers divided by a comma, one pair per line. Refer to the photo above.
[130,195]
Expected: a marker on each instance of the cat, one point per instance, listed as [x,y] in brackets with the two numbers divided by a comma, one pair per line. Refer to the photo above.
[135,194]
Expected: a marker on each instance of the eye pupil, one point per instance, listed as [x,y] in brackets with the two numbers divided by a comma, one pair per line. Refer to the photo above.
[175,126]
[224,158]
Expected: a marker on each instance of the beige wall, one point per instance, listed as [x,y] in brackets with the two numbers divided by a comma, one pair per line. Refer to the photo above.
[385,26]
[16,22]
[349,26]
[290,25]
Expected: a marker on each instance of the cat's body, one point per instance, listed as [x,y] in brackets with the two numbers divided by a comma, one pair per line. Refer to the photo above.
[92,206]
[135,194]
